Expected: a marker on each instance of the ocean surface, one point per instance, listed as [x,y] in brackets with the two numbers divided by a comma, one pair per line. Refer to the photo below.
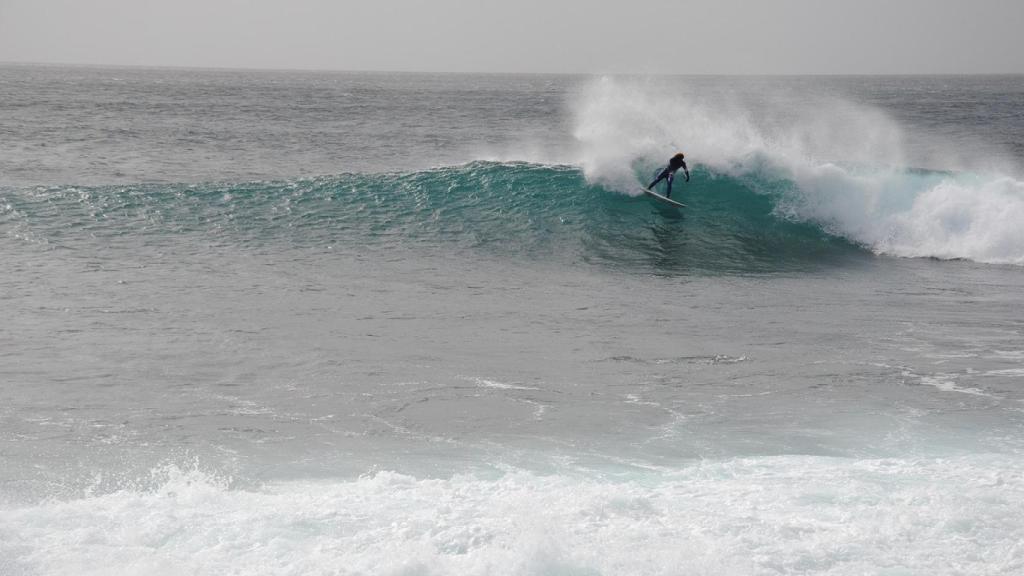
[296,323]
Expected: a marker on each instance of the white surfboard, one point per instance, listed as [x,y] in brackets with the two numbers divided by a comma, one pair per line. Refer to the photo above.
[663,199]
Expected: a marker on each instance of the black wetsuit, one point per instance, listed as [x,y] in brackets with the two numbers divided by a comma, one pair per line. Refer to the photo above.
[669,174]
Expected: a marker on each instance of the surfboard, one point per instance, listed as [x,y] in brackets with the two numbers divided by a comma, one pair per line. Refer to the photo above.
[663,199]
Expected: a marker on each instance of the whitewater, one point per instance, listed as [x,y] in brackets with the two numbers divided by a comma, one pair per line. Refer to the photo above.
[338,323]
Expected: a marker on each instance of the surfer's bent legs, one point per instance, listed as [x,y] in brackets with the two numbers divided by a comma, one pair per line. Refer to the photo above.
[666,174]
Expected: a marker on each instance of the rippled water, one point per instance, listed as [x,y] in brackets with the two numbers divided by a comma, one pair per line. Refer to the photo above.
[293,323]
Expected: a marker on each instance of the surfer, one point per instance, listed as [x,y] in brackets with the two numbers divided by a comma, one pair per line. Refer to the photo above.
[669,173]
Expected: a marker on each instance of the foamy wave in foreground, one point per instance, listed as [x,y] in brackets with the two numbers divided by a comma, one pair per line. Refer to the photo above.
[779,515]
[836,164]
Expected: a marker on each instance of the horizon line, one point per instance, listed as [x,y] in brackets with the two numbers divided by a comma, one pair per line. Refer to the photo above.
[471,72]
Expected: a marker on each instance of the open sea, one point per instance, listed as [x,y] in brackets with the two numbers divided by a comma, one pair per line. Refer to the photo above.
[314,323]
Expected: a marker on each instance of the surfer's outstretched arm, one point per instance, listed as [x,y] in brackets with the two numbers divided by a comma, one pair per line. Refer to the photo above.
[686,172]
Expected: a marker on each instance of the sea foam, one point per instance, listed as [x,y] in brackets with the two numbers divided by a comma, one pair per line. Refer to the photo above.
[753,516]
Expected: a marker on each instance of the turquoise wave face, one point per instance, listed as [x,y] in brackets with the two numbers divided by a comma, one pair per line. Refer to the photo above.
[507,209]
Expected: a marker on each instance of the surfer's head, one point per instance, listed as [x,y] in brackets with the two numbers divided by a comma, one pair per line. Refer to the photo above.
[679,155]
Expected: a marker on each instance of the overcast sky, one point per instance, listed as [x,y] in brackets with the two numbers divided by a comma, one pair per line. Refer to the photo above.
[642,36]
